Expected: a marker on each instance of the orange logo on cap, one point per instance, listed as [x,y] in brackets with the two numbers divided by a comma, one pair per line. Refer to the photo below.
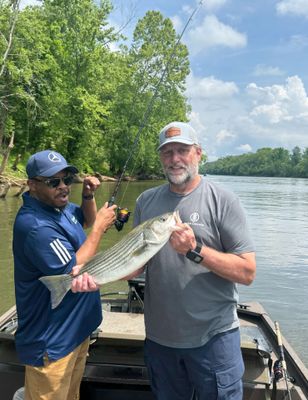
[173,131]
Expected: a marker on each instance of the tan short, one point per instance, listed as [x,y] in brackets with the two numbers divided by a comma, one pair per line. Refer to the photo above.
[57,380]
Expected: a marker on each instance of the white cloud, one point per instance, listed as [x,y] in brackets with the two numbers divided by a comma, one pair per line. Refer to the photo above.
[210,87]
[224,135]
[213,33]
[272,113]
[296,7]
[231,121]
[278,103]
[210,5]
[197,124]
[177,23]
[298,42]
[267,70]
[244,148]
[187,9]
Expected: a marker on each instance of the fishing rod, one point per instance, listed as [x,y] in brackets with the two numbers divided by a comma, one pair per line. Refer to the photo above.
[123,213]
[280,366]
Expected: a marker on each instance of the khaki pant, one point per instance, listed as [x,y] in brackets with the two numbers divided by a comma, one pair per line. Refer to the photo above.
[57,380]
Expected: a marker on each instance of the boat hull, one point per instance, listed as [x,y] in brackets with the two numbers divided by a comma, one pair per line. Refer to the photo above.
[115,366]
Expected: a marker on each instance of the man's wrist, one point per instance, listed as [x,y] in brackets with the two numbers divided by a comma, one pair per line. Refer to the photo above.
[194,255]
[88,196]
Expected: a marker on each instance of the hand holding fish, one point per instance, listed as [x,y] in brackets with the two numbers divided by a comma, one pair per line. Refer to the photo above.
[183,238]
[83,282]
[128,255]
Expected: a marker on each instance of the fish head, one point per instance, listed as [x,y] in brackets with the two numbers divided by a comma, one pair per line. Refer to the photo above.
[161,227]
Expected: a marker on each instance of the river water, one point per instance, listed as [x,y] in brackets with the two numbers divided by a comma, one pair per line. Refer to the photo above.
[277,210]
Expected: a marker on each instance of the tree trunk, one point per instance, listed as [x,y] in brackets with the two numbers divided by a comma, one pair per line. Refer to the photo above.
[17,159]
[7,154]
[4,188]
[21,190]
[15,8]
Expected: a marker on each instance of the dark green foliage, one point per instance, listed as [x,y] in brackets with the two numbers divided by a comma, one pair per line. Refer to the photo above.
[63,88]
[265,162]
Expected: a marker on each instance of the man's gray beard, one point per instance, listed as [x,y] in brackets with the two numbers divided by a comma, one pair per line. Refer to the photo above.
[189,174]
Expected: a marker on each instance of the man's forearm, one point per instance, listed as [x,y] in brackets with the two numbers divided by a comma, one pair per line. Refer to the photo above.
[238,268]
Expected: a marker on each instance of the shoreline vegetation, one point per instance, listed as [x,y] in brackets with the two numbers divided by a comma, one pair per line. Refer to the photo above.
[8,181]
[19,182]
[266,162]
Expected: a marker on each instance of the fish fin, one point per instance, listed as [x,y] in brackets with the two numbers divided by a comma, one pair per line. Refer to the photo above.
[140,250]
[177,217]
[58,285]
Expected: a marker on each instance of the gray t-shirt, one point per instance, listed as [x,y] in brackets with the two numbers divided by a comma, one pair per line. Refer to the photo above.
[185,303]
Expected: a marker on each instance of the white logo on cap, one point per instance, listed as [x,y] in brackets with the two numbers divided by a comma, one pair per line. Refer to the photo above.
[53,157]
[194,217]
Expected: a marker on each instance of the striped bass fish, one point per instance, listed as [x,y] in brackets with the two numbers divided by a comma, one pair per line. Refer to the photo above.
[125,257]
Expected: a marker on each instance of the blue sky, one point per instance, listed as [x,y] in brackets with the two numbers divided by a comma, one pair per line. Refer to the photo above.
[249,69]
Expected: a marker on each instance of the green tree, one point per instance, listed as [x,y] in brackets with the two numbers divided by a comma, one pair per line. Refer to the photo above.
[16,97]
[265,162]
[155,51]
[78,102]
[303,165]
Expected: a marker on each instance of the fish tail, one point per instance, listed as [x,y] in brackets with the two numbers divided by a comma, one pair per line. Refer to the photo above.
[58,285]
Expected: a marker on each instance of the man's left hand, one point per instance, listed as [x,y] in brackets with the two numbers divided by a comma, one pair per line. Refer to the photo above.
[83,282]
[90,185]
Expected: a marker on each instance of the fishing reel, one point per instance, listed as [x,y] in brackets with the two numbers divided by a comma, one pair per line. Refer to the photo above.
[280,373]
[122,217]
[278,370]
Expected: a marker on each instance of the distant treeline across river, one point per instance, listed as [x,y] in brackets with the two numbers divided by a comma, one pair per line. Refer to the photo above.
[276,162]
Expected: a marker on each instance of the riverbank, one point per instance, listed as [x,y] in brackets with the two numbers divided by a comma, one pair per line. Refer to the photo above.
[17,180]
[19,183]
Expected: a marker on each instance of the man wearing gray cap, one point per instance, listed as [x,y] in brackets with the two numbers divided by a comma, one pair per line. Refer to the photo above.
[49,240]
[192,330]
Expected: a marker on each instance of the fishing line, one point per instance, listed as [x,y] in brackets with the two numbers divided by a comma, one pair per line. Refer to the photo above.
[124,218]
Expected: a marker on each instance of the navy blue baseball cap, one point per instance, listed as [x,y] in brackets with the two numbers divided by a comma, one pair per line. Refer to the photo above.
[47,163]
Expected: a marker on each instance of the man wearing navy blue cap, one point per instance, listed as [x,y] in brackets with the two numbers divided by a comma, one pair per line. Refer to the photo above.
[49,240]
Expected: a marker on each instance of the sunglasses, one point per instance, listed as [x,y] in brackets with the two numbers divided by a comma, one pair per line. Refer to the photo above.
[55,182]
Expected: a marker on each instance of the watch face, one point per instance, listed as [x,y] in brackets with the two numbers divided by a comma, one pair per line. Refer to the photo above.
[198,258]
[194,256]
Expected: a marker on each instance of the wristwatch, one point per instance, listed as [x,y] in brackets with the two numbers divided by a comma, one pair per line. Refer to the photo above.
[88,197]
[194,255]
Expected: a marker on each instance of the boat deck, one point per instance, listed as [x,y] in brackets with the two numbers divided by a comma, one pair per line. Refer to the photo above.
[115,367]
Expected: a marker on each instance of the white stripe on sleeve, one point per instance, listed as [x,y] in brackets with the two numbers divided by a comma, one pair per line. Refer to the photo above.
[61,251]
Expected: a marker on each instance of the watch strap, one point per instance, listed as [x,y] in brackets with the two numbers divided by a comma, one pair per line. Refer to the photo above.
[198,247]
[88,197]
[194,255]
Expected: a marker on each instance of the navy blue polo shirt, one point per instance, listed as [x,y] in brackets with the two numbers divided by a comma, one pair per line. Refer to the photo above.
[45,242]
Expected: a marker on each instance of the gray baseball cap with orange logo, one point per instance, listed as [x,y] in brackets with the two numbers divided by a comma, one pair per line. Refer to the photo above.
[177,132]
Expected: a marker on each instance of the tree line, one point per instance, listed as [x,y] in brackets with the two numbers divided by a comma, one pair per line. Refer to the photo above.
[64,87]
[265,162]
